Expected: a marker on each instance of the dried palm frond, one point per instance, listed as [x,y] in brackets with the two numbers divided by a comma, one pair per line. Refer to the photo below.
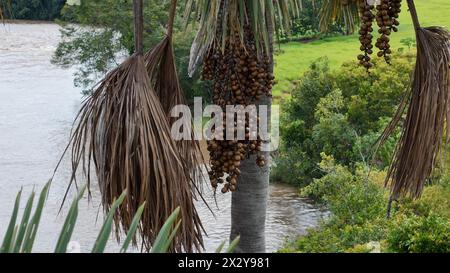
[160,64]
[344,11]
[255,13]
[123,130]
[428,116]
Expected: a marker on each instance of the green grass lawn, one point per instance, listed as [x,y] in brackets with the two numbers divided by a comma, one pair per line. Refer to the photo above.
[296,57]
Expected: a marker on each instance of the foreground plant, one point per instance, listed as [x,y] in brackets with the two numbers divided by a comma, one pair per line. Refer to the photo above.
[20,235]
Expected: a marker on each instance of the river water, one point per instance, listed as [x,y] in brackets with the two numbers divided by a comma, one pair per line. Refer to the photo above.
[38,103]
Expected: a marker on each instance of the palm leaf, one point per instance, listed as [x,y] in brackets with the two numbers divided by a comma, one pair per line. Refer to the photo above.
[133,227]
[160,64]
[222,15]
[105,231]
[428,116]
[8,239]
[233,244]
[24,223]
[345,12]
[220,247]
[166,234]
[69,224]
[33,225]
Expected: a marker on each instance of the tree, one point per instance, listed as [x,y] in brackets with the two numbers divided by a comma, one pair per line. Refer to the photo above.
[103,33]
[235,43]
[236,36]
[32,9]
[219,23]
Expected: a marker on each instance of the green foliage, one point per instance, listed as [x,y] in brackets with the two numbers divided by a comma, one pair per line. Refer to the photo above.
[435,199]
[324,188]
[9,235]
[294,166]
[409,42]
[167,233]
[33,225]
[430,234]
[133,227]
[315,84]
[105,231]
[231,247]
[333,133]
[297,57]
[357,209]
[341,113]
[69,224]
[374,96]
[104,34]
[32,9]
[357,204]
[22,242]
[364,199]
[20,238]
[307,23]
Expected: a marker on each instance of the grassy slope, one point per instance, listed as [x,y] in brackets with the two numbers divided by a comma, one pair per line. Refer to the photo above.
[296,57]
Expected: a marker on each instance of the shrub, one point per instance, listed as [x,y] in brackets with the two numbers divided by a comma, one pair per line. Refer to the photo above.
[357,207]
[430,234]
[341,113]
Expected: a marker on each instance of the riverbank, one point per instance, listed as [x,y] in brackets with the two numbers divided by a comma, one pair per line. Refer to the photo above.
[26,22]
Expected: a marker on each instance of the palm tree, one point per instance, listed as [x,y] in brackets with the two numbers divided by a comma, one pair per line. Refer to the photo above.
[235,37]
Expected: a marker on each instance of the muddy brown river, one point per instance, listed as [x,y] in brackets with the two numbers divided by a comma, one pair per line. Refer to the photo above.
[38,103]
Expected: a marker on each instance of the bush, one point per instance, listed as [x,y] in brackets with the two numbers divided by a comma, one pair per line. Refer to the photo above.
[430,234]
[293,167]
[357,204]
[329,129]
[323,189]
[351,198]
[341,113]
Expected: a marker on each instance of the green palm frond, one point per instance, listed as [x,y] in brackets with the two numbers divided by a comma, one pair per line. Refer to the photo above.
[342,11]
[217,21]
[21,238]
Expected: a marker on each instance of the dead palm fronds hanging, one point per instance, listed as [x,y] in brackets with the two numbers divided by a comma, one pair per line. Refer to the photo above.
[161,68]
[123,130]
[343,11]
[428,116]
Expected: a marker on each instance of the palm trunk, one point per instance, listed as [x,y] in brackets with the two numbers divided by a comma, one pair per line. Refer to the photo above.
[249,202]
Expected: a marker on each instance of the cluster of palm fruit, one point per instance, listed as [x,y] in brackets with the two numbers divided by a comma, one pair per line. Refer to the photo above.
[387,20]
[238,77]
[365,34]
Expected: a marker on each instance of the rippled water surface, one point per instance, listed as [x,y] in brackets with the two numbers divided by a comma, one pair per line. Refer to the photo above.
[37,106]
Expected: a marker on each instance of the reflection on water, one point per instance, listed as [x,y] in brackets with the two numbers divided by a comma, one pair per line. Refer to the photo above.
[37,106]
